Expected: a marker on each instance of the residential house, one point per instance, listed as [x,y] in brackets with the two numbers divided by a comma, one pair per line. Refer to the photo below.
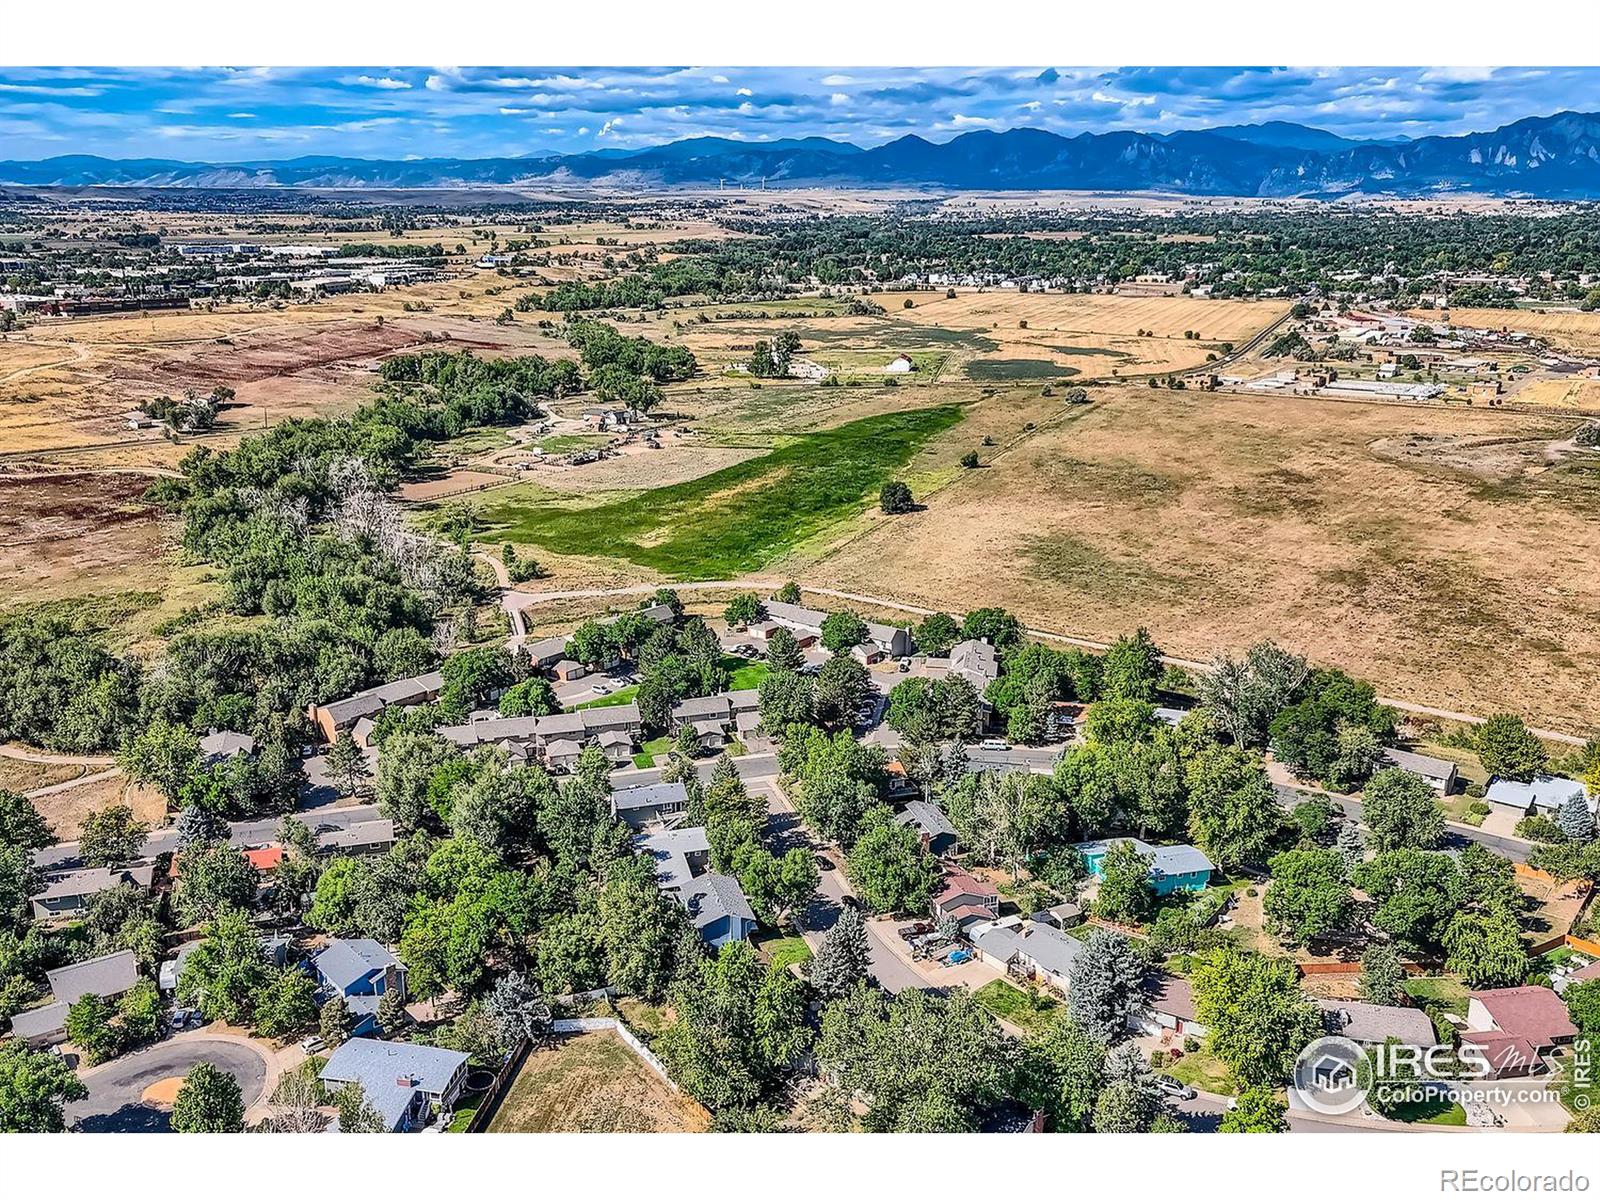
[362,837]
[107,976]
[1169,1008]
[1515,1027]
[716,904]
[361,971]
[1172,867]
[69,892]
[939,837]
[546,652]
[964,898]
[976,662]
[566,671]
[1439,773]
[562,754]
[649,804]
[1374,1024]
[337,716]
[1033,951]
[616,745]
[219,746]
[1547,794]
[406,1082]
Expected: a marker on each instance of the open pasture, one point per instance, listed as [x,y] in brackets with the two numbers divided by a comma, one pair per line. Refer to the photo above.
[1217,521]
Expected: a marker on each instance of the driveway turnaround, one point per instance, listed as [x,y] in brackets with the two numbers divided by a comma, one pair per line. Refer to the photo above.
[117,1104]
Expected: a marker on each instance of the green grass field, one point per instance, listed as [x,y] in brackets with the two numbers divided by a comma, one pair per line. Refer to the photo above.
[1444,992]
[734,520]
[1017,1006]
[785,951]
[1203,1072]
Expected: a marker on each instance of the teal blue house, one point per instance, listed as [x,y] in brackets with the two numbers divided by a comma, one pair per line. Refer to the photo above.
[1172,868]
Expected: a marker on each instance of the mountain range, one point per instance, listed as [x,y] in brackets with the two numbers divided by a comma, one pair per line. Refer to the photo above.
[1549,157]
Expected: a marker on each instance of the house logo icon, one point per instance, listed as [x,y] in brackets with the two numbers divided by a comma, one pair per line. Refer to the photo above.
[1328,1076]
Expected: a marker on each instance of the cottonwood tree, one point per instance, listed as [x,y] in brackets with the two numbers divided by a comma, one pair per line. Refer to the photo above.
[34,1088]
[298,1100]
[1309,897]
[1258,1017]
[1063,1070]
[347,765]
[1245,696]
[111,837]
[357,1114]
[1508,749]
[209,1101]
[1401,812]
[1233,811]
[1486,948]
[1124,893]
[1256,1110]
[21,826]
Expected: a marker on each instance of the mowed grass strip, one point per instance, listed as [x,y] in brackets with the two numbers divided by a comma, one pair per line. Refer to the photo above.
[739,518]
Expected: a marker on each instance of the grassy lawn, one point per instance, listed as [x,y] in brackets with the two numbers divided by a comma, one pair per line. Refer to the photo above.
[592,1083]
[733,520]
[1459,808]
[1202,1071]
[782,952]
[642,1017]
[465,1108]
[1439,991]
[620,696]
[743,673]
[1438,1111]
[1015,1005]
[647,755]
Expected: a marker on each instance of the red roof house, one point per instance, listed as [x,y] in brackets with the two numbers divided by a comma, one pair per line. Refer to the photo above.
[1534,1014]
[964,897]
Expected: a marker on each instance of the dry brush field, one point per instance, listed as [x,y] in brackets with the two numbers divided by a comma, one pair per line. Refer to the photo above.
[1444,555]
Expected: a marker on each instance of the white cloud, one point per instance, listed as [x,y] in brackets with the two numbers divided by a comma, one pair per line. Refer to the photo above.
[609,128]
[839,98]
[386,82]
[744,92]
[835,80]
[719,79]
[39,89]
[242,116]
[436,83]
[582,129]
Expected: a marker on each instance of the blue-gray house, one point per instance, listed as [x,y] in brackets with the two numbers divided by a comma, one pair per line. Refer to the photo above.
[360,971]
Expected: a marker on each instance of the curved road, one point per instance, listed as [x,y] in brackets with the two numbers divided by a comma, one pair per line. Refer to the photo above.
[115,1103]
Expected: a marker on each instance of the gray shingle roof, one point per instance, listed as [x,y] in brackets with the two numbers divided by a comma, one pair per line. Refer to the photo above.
[1375,1023]
[1052,950]
[648,795]
[344,961]
[379,1067]
[225,743]
[108,975]
[47,1022]
[79,883]
[1420,764]
[928,818]
[712,897]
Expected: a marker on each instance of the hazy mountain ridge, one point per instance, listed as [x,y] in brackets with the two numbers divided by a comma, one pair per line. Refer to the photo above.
[1555,157]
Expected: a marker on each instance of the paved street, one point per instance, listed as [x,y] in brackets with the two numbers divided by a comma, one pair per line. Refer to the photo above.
[115,1103]
[1457,837]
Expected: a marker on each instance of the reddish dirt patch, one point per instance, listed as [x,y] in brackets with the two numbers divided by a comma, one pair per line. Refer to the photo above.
[263,356]
[58,530]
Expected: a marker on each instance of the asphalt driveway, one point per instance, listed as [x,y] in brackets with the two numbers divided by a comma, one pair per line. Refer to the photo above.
[115,1102]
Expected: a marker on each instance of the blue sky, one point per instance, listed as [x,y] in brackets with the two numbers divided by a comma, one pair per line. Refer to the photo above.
[221,114]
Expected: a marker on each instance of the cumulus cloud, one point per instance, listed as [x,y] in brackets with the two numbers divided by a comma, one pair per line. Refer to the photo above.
[385,82]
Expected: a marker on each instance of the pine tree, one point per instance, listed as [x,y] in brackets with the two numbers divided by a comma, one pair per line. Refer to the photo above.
[1382,976]
[1575,819]
[1107,985]
[346,764]
[198,825]
[333,1022]
[843,960]
[391,1012]
[1352,846]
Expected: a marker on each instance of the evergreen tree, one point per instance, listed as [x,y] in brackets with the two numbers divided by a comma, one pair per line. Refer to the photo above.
[843,959]
[334,1023]
[1382,976]
[1575,819]
[1107,985]
[1351,844]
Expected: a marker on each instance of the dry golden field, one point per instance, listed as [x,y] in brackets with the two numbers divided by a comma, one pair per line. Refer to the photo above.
[1442,554]
[1580,330]
[1566,392]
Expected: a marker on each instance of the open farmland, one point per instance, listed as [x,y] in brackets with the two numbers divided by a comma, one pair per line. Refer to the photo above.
[733,520]
[65,534]
[1445,555]
[592,1083]
[1577,330]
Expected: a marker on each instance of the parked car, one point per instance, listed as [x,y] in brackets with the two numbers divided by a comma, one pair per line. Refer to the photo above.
[313,1044]
[1175,1089]
[602,689]
[994,744]
[824,863]
[905,664]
